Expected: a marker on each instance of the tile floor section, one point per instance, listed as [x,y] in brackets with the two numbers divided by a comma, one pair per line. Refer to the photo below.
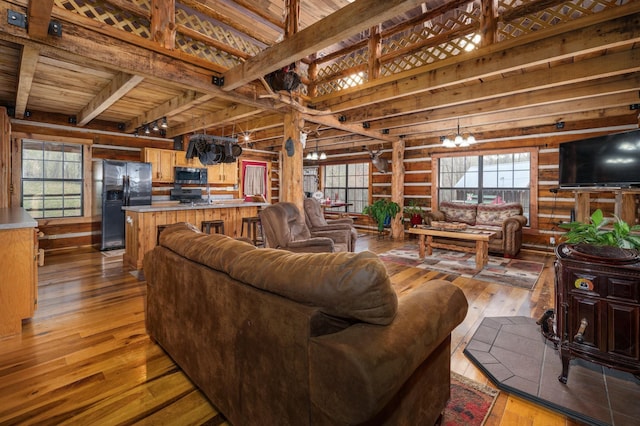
[515,356]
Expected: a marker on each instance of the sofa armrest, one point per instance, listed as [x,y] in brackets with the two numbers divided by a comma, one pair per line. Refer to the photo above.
[354,373]
[512,234]
[436,215]
[311,245]
[514,223]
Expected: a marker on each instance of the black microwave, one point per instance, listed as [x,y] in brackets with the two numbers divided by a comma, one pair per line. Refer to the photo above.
[189,175]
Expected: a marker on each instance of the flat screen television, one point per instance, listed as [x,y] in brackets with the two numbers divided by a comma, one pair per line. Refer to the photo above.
[603,161]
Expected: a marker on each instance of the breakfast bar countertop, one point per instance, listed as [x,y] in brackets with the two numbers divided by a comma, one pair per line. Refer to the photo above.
[16,217]
[222,204]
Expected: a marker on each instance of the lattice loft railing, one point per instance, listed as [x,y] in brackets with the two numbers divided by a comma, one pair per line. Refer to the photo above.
[108,14]
[449,35]
[136,20]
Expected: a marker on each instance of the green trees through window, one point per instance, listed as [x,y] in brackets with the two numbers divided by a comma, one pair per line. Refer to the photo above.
[52,179]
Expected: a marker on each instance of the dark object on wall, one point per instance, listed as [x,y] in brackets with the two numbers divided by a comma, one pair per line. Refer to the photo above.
[177,143]
[284,79]
[609,160]
[213,149]
[288,145]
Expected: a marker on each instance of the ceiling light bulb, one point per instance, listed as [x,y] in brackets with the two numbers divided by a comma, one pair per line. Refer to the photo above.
[309,156]
[471,140]
[314,155]
[146,129]
[458,139]
[164,123]
[246,137]
[323,156]
[155,126]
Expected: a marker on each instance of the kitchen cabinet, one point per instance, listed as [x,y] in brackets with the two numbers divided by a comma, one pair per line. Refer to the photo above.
[598,309]
[225,173]
[162,163]
[19,265]
[183,161]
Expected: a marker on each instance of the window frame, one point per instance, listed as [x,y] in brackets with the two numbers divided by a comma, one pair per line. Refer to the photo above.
[16,176]
[533,177]
[348,209]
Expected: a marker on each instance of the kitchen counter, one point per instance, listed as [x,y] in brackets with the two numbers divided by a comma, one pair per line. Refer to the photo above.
[15,218]
[141,222]
[164,207]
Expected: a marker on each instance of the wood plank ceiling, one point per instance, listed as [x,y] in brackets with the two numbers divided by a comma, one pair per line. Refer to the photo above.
[372,70]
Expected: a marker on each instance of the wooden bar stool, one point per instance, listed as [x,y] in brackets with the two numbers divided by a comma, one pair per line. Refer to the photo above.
[252,224]
[217,225]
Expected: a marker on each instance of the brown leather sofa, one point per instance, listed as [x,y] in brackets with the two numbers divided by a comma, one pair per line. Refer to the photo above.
[316,222]
[279,338]
[505,219]
[284,227]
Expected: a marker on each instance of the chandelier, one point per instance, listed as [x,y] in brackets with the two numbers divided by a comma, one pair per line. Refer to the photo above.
[458,140]
[315,155]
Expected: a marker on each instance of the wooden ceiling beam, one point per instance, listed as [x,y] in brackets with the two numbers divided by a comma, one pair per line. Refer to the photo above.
[28,62]
[38,17]
[209,8]
[351,19]
[173,106]
[496,60]
[595,68]
[252,6]
[573,97]
[121,84]
[333,122]
[228,116]
[90,48]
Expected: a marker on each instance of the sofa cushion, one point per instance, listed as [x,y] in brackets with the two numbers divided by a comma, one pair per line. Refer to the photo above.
[217,251]
[459,212]
[495,214]
[346,285]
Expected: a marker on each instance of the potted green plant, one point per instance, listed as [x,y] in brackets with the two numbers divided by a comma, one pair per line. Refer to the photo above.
[414,212]
[597,238]
[382,211]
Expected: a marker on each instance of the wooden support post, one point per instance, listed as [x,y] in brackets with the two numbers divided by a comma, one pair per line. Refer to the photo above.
[5,158]
[163,23]
[397,186]
[291,188]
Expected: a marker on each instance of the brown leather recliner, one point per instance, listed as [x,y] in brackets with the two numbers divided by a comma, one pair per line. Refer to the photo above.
[283,227]
[314,218]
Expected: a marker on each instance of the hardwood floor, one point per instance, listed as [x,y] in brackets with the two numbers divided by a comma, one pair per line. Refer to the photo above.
[85,357]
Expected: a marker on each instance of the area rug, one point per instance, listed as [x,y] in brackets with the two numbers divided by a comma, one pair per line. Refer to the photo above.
[513,272]
[517,359]
[470,402]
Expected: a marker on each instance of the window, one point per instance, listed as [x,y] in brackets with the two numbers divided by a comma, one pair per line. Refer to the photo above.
[348,183]
[52,179]
[489,178]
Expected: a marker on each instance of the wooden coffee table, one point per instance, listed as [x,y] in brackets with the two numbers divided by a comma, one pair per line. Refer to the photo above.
[482,238]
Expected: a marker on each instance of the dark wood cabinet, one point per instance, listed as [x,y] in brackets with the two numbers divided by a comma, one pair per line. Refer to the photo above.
[598,309]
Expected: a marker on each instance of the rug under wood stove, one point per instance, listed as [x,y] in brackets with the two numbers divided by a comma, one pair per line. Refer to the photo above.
[513,272]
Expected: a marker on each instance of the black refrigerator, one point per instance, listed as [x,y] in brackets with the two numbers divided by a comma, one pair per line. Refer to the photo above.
[117,184]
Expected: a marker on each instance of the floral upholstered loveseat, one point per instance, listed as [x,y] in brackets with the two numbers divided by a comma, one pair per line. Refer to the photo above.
[505,219]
